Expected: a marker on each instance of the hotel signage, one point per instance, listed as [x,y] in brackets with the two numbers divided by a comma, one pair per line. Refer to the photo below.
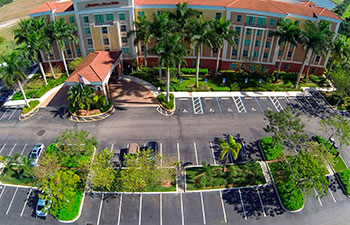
[101,4]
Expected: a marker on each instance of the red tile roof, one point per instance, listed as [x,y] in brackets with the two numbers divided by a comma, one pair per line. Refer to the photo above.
[95,66]
[49,6]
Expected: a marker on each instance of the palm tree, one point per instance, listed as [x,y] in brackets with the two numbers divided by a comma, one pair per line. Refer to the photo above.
[167,47]
[229,149]
[11,71]
[288,33]
[24,168]
[221,33]
[340,50]
[200,35]
[29,34]
[143,33]
[12,161]
[316,39]
[64,32]
[81,96]
[46,42]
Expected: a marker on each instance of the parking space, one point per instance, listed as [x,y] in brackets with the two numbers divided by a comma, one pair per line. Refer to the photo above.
[10,114]
[214,208]
[284,102]
[267,104]
[335,190]
[252,201]
[172,209]
[204,151]
[227,105]
[295,104]
[211,105]
[150,210]
[194,209]
[252,105]
[184,106]
[234,206]
[130,209]
[110,209]
[270,201]
[188,155]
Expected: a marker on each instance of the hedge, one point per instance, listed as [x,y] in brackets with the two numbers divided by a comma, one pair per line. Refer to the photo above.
[32,105]
[163,101]
[271,152]
[344,177]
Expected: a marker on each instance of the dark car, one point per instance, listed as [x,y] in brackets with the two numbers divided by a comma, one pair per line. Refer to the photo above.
[154,146]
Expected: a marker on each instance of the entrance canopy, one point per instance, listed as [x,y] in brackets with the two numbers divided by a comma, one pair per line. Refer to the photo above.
[96,69]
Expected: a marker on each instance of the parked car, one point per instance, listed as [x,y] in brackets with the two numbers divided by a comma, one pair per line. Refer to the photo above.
[154,146]
[42,208]
[35,154]
[131,149]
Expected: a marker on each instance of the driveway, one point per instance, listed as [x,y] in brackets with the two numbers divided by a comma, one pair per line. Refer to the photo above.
[57,99]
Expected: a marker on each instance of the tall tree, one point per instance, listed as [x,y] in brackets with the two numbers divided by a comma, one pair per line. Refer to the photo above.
[200,35]
[12,71]
[29,34]
[64,32]
[143,34]
[46,42]
[221,32]
[344,28]
[339,50]
[287,33]
[81,96]
[230,148]
[102,172]
[315,39]
[337,126]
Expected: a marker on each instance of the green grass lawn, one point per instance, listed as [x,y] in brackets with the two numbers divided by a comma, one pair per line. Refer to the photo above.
[9,177]
[339,164]
[160,188]
[71,209]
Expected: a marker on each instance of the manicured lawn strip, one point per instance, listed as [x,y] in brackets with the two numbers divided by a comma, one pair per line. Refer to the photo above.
[71,209]
[9,177]
[271,152]
[339,164]
[344,177]
[35,88]
[244,175]
[160,188]
[291,199]
[32,105]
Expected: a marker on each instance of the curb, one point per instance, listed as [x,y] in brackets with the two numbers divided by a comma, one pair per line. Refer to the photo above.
[86,119]
[79,214]
[29,114]
[17,185]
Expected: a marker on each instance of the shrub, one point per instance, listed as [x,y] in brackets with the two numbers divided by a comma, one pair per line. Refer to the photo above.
[32,105]
[75,63]
[163,101]
[289,76]
[271,152]
[291,199]
[69,213]
[193,71]
[50,148]
[220,88]
[2,39]
[344,177]
[320,80]
[107,107]
[235,87]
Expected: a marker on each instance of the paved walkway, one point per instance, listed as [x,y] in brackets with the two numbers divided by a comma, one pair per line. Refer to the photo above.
[146,84]
[266,172]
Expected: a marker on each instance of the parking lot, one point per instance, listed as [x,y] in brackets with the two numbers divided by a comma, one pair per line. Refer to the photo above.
[311,103]
[10,114]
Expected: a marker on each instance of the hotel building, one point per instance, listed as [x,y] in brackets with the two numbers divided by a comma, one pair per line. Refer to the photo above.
[102,25]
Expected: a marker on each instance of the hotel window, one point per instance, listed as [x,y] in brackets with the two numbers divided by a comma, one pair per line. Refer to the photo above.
[87,30]
[77,50]
[239,18]
[245,53]
[266,55]
[292,45]
[199,15]
[269,33]
[99,19]
[236,41]
[124,40]
[89,41]
[232,66]
[290,53]
[317,59]
[272,22]
[90,50]
[249,31]
[261,21]
[69,52]
[142,48]
[246,42]
[286,66]
[141,13]
[66,42]
[280,53]
[71,19]
[255,54]
[121,16]
[125,50]
[314,70]
[215,51]
[105,41]
[268,44]
[250,20]
[104,30]
[86,19]
[257,43]
[238,29]
[259,32]
[123,28]
[234,52]
[109,17]
[218,15]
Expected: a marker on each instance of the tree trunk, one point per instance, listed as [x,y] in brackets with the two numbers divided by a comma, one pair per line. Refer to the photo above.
[167,83]
[24,94]
[302,69]
[197,65]
[159,68]
[146,49]
[280,64]
[217,63]
[49,59]
[330,68]
[225,161]
[309,66]
[179,70]
[42,72]
[64,62]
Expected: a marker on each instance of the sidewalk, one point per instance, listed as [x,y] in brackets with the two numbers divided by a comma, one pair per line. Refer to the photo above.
[265,171]
[237,94]
[146,84]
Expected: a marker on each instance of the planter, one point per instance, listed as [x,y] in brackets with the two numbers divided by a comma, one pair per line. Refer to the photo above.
[92,118]
[78,216]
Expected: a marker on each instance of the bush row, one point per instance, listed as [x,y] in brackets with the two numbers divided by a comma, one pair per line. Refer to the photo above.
[344,177]
[272,151]
[184,70]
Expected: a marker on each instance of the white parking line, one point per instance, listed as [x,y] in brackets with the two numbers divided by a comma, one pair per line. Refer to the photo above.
[140,210]
[183,99]
[161,154]
[100,210]
[203,210]
[3,147]
[3,189]
[161,209]
[112,147]
[182,210]
[23,149]
[25,203]
[178,151]
[212,151]
[12,149]
[195,152]
[262,205]
[223,207]
[4,113]
[318,197]
[12,114]
[244,213]
[120,208]
[261,109]
[330,191]
[13,197]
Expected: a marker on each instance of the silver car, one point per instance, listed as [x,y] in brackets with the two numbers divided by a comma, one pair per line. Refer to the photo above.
[35,154]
